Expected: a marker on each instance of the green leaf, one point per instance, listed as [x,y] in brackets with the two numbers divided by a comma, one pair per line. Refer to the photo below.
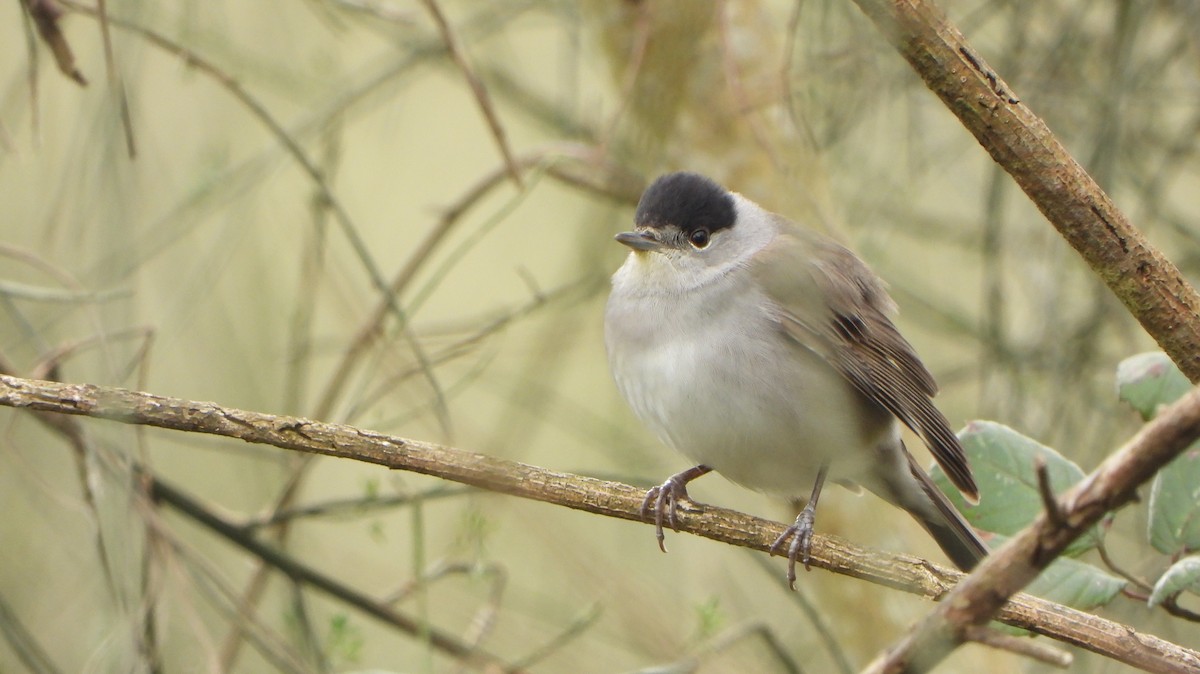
[1183,575]
[1148,381]
[1067,581]
[1076,584]
[1002,461]
[1175,504]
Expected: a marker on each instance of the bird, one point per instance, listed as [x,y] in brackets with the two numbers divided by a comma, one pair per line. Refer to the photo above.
[765,351]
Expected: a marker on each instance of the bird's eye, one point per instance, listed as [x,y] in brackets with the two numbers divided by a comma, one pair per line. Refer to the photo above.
[699,238]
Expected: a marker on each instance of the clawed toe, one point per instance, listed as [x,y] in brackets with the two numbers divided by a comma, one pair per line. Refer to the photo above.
[664,500]
[801,534]
[663,503]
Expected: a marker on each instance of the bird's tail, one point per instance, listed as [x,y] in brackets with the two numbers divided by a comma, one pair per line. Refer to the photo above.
[943,521]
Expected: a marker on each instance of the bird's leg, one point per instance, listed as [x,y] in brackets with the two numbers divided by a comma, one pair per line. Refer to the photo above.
[801,532]
[665,500]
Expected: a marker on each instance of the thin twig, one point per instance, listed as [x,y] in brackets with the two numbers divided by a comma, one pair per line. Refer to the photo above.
[46,16]
[815,618]
[302,573]
[114,80]
[210,584]
[477,89]
[484,620]
[372,327]
[70,428]
[1046,492]
[1055,657]
[381,10]
[23,643]
[351,506]
[574,628]
[1171,605]
[469,343]
[31,71]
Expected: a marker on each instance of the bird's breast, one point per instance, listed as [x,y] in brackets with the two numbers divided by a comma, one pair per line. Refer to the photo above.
[713,376]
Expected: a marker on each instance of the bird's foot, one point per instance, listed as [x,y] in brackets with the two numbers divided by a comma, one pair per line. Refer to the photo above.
[664,501]
[801,534]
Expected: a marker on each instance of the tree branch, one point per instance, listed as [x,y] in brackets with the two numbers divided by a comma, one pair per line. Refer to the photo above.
[611,499]
[1012,567]
[1148,284]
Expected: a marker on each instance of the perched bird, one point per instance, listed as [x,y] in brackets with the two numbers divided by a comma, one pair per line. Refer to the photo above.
[765,351]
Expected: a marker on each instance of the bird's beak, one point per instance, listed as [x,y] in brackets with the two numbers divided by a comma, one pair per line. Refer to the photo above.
[640,240]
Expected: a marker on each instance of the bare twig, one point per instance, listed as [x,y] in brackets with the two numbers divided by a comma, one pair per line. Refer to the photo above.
[23,643]
[87,457]
[815,617]
[477,89]
[351,506]
[372,327]
[383,10]
[31,71]
[732,637]
[1020,645]
[203,575]
[471,341]
[300,572]
[46,15]
[612,499]
[483,622]
[1049,503]
[114,79]
[572,629]
[1171,605]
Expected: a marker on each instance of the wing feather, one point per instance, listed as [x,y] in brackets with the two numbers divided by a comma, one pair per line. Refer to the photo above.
[831,302]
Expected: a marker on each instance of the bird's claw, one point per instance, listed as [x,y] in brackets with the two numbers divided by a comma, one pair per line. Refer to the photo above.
[801,534]
[665,499]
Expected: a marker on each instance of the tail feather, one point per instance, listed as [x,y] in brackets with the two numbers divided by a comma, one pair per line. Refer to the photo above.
[947,526]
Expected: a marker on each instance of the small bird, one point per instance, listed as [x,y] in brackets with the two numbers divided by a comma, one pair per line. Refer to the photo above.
[766,352]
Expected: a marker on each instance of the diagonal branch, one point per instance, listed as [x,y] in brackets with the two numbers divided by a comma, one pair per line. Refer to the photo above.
[1012,567]
[610,499]
[477,89]
[46,16]
[467,654]
[1148,284]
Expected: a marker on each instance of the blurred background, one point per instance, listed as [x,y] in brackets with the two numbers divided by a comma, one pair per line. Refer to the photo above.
[291,159]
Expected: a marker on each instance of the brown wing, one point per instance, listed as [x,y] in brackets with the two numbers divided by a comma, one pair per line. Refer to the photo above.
[832,303]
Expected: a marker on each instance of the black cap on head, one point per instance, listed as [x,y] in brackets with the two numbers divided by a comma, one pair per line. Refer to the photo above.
[687,200]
